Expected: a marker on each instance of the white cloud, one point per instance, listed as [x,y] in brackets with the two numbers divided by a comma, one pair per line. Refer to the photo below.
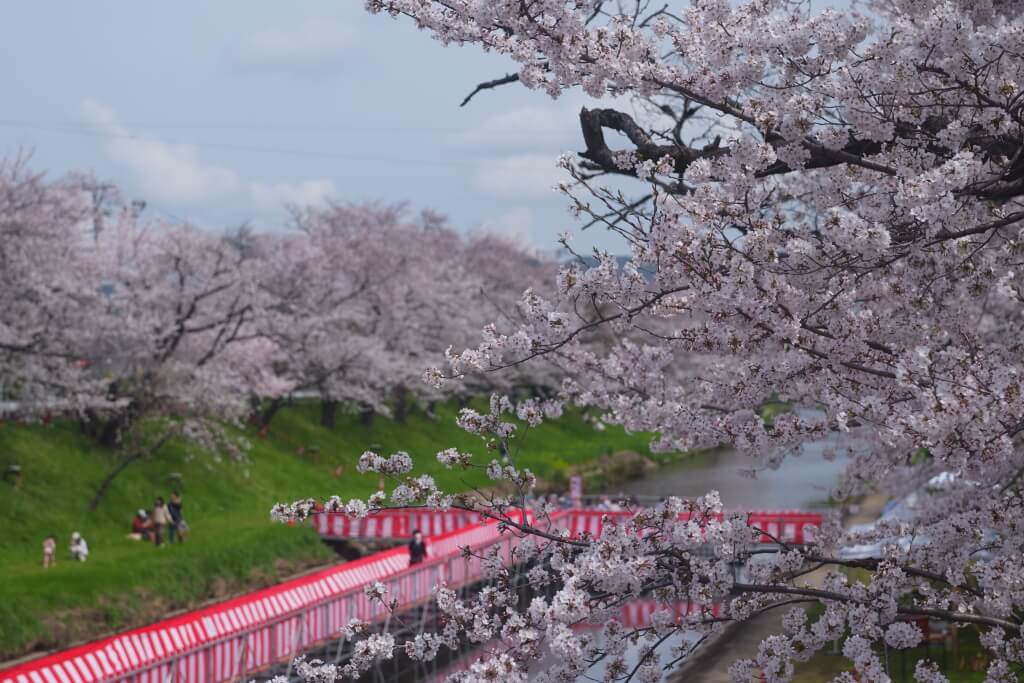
[310,192]
[519,176]
[167,172]
[308,46]
[534,127]
[515,224]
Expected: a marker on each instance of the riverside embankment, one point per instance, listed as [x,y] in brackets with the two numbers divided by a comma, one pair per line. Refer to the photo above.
[233,547]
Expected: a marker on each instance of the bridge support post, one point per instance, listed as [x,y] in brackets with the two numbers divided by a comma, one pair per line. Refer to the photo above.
[295,642]
[242,652]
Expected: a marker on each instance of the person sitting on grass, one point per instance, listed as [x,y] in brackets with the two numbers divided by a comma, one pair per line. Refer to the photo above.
[79,548]
[49,551]
[142,527]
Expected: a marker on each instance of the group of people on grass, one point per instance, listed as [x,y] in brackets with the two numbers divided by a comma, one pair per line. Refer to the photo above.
[164,521]
[78,549]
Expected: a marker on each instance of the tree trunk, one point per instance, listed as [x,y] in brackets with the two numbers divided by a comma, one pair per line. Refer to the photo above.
[255,408]
[366,416]
[89,425]
[329,413]
[270,411]
[401,405]
[107,434]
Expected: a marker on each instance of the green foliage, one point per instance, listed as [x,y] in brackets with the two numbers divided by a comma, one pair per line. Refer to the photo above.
[233,545]
[769,410]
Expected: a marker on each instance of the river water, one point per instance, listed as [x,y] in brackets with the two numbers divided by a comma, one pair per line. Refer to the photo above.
[803,481]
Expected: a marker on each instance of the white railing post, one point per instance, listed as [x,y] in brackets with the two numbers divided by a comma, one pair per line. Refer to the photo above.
[295,642]
[242,651]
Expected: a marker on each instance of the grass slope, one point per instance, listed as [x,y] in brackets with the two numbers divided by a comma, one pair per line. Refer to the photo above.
[233,545]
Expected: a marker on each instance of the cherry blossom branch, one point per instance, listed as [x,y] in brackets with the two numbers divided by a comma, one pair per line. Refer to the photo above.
[833,596]
[873,564]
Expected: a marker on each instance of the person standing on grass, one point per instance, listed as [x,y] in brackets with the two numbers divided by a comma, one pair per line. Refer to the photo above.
[49,551]
[417,548]
[161,519]
[79,548]
[174,508]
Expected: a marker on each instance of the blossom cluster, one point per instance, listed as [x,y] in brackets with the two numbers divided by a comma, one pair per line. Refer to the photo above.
[395,464]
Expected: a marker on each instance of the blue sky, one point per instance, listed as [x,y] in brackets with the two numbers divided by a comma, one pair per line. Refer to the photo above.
[220,112]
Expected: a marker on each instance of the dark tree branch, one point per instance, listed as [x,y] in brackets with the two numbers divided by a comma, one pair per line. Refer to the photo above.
[487,85]
[978,229]
[593,121]
[139,454]
[824,595]
[854,153]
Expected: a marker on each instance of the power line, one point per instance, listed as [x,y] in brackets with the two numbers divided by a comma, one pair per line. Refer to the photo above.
[248,125]
[94,133]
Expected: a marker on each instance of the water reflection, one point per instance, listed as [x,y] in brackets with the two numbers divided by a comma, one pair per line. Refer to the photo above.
[636,614]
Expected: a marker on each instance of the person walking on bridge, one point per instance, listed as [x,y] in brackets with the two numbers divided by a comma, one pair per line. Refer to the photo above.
[417,548]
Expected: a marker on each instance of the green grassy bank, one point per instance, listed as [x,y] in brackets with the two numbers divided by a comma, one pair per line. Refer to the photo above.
[233,546]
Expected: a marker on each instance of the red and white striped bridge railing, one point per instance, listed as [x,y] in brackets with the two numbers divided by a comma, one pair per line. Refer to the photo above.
[791,527]
[392,524]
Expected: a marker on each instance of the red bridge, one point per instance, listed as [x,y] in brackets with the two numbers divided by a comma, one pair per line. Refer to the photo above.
[789,527]
[253,632]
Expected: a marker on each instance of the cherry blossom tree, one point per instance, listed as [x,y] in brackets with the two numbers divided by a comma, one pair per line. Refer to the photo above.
[146,330]
[316,313]
[828,211]
[140,329]
[173,338]
[359,299]
[358,311]
[43,229]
